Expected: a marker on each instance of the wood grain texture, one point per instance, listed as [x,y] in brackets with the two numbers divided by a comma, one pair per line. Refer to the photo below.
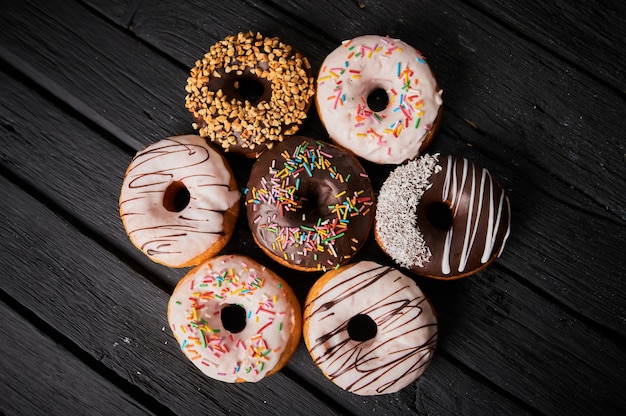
[92,197]
[94,78]
[580,32]
[119,11]
[39,377]
[116,316]
[91,82]
[73,168]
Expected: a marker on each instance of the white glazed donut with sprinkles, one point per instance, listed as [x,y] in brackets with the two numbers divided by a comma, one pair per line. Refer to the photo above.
[378,97]
[236,320]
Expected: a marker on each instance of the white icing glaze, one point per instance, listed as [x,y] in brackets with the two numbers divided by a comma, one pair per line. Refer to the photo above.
[175,238]
[194,316]
[396,216]
[406,334]
[351,72]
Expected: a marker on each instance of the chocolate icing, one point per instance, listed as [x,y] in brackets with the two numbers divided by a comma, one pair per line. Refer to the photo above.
[481,220]
[309,204]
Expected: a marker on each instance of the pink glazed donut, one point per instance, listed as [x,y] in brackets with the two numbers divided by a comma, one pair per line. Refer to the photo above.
[378,98]
[179,201]
[369,328]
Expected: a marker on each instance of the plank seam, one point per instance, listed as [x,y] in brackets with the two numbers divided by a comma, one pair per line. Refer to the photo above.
[483,379]
[143,398]
[47,84]
[602,328]
[527,38]
[613,216]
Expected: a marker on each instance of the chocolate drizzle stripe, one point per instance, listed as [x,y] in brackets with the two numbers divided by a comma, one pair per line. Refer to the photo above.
[175,227]
[190,161]
[374,364]
[352,290]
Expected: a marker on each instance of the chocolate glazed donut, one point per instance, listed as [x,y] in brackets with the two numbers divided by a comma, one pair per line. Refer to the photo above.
[442,216]
[309,204]
[248,92]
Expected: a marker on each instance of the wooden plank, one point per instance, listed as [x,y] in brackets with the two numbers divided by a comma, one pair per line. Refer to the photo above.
[489,106]
[581,32]
[537,352]
[468,398]
[40,377]
[119,11]
[83,60]
[526,178]
[118,317]
[25,146]
[65,156]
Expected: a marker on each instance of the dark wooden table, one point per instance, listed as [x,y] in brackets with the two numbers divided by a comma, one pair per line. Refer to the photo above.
[535,91]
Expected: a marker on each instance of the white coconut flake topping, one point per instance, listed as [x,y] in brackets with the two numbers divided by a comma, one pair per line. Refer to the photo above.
[396,212]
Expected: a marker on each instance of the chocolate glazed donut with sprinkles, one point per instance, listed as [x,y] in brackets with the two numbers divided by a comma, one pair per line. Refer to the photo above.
[309,204]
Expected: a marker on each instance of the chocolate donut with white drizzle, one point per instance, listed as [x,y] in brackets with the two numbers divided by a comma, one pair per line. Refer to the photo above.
[443,217]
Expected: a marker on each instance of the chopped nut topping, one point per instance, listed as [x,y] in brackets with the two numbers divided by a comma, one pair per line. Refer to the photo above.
[230,121]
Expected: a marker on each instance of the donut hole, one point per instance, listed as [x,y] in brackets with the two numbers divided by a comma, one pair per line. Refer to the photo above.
[377,100]
[362,328]
[233,318]
[176,197]
[310,204]
[249,89]
[439,215]
[312,200]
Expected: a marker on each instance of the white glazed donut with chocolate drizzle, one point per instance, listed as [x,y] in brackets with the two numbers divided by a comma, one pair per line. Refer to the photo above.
[369,328]
[443,217]
[378,98]
[236,320]
[179,201]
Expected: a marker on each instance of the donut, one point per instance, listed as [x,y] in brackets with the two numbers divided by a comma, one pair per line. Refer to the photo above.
[369,328]
[249,91]
[309,204]
[378,97]
[443,217]
[236,320]
[179,201]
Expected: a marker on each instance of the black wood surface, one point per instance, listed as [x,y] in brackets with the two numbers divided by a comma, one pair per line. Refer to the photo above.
[534,91]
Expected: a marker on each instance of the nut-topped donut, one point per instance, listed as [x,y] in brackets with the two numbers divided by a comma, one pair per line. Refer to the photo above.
[309,204]
[249,91]
[369,328]
[179,201]
[235,319]
[378,97]
[442,216]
